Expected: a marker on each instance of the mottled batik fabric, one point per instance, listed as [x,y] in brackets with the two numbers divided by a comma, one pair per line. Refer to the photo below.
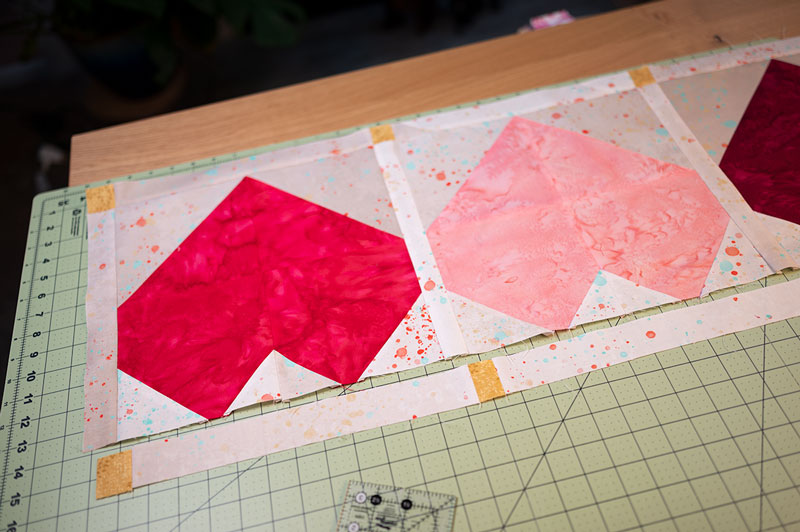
[265,271]
[547,208]
[763,157]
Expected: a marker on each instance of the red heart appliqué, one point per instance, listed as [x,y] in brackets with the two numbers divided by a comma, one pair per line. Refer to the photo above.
[265,271]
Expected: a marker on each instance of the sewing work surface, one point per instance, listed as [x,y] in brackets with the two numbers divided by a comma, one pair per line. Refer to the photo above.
[701,436]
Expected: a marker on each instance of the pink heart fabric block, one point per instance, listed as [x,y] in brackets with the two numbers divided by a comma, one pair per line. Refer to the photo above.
[546,208]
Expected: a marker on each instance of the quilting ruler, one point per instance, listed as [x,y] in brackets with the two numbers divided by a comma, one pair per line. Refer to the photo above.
[372,507]
[700,437]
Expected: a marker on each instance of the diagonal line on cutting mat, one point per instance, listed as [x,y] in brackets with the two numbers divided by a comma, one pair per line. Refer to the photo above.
[636,441]
[544,453]
[725,423]
[765,387]
[763,435]
[583,471]
[208,502]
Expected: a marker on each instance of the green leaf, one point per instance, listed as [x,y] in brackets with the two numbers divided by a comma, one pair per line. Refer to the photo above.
[84,5]
[275,23]
[165,59]
[237,13]
[206,6]
[291,10]
[154,8]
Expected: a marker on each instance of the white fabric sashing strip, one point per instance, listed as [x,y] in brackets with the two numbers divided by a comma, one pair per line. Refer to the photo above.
[430,279]
[716,180]
[726,59]
[200,450]
[100,376]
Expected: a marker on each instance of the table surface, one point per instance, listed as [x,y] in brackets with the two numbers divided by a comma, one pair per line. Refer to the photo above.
[592,46]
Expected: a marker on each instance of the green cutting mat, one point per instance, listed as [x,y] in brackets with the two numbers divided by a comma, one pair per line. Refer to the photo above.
[702,437]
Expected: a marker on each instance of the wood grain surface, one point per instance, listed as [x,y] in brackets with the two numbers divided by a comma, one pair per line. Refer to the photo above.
[591,46]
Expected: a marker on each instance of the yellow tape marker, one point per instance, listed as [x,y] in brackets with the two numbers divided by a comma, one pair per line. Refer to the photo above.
[487,382]
[381,133]
[99,199]
[641,76]
[114,474]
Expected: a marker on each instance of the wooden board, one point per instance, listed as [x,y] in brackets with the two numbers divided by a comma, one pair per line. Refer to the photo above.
[612,41]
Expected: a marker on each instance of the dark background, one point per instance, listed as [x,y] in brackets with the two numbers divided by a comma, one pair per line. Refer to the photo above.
[69,66]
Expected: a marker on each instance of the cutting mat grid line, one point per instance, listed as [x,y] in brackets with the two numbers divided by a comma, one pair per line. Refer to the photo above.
[704,436]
